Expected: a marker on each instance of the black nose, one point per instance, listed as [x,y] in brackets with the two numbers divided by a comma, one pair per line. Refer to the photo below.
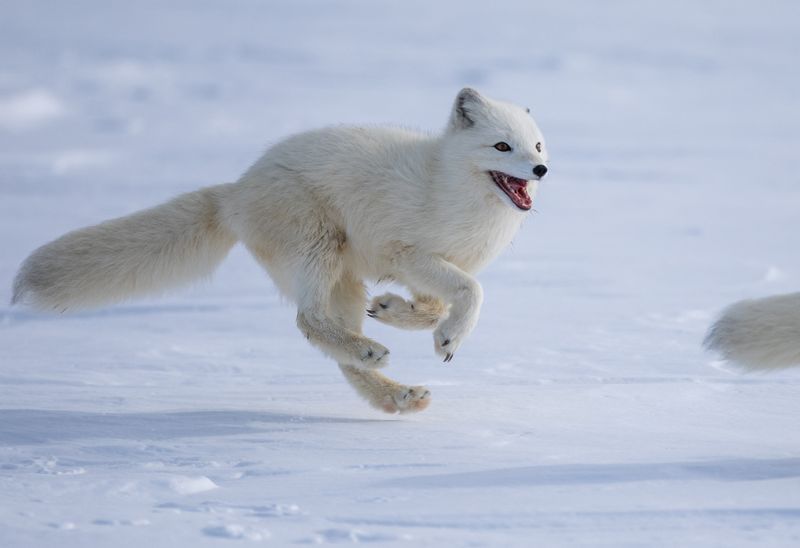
[540,170]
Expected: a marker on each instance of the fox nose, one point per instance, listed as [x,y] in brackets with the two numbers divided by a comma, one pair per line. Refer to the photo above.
[540,170]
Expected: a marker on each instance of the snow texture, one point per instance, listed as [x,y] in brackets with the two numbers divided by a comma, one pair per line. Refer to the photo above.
[581,412]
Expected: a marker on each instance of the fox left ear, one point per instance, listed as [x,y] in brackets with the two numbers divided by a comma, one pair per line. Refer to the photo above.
[467,105]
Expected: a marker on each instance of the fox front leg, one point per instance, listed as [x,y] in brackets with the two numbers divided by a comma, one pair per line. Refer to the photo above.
[436,276]
[424,312]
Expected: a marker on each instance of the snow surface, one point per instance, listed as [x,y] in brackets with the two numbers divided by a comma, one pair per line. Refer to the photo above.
[581,412]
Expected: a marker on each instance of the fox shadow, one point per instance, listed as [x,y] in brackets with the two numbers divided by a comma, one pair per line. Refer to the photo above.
[728,470]
[32,426]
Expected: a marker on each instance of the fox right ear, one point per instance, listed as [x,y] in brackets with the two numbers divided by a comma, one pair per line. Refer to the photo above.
[467,104]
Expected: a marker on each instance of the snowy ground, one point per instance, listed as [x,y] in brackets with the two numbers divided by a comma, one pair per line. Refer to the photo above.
[581,412]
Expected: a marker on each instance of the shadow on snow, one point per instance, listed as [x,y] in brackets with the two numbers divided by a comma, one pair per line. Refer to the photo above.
[32,426]
[742,469]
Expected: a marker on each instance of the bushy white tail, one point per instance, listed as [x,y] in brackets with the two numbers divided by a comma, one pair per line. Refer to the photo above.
[143,253]
[759,334]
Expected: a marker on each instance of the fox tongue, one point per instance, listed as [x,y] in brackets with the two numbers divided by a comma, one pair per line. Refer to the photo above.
[517,190]
[519,194]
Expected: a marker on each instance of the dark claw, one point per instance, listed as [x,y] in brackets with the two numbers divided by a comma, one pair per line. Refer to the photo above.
[446,342]
[448,357]
[384,306]
[369,354]
[370,311]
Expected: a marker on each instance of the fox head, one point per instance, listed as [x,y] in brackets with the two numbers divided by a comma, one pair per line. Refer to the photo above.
[497,146]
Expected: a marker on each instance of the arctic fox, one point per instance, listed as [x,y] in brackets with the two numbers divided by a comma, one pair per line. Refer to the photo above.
[322,212]
[760,333]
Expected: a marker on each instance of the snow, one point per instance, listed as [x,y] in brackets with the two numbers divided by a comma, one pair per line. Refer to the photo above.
[581,412]
[28,109]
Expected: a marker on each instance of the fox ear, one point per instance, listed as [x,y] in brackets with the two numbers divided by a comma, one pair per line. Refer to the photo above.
[468,104]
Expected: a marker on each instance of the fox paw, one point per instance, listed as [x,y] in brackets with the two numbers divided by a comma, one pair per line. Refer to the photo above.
[371,355]
[394,310]
[446,341]
[407,399]
[388,307]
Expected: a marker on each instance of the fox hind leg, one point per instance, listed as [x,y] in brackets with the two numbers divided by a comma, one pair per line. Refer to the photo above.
[385,394]
[309,279]
[314,318]
[347,306]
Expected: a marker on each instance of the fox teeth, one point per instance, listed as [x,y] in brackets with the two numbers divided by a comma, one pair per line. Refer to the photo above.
[513,187]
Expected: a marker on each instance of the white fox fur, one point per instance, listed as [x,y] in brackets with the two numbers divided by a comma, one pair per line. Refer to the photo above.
[143,253]
[759,333]
[323,211]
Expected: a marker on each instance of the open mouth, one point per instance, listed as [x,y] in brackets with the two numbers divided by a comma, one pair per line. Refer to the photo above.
[516,189]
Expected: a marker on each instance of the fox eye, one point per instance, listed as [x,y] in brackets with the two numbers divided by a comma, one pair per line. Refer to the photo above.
[503,147]
[538,147]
